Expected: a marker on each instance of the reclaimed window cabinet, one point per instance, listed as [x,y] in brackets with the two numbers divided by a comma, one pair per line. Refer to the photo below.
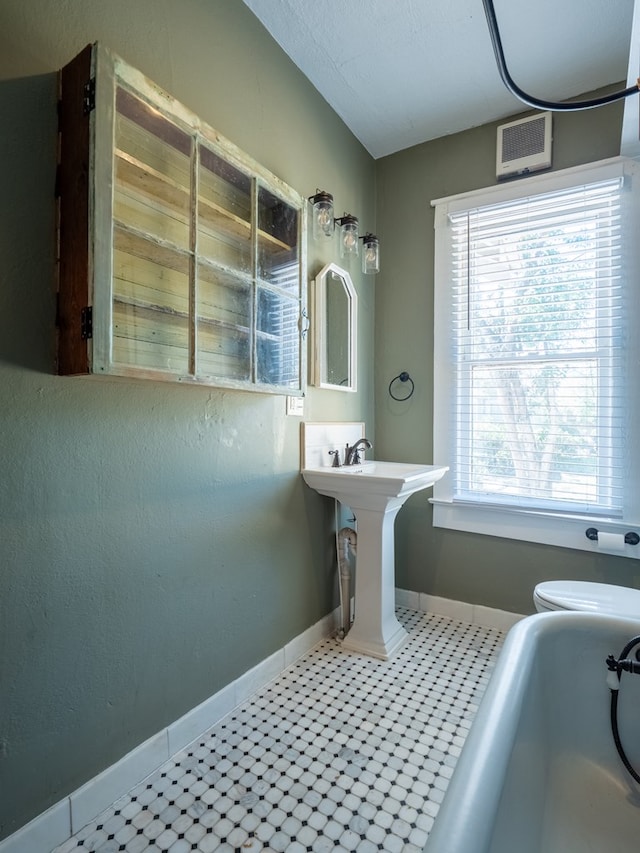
[180,258]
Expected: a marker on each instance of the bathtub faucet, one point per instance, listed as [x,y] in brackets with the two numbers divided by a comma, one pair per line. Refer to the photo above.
[620,665]
[615,667]
[352,454]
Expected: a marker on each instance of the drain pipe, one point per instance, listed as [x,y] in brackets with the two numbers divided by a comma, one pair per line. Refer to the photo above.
[346,543]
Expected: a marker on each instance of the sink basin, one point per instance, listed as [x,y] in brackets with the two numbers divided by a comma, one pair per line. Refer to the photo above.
[373,481]
[374,491]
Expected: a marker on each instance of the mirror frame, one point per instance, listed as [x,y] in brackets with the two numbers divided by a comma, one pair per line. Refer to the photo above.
[319,360]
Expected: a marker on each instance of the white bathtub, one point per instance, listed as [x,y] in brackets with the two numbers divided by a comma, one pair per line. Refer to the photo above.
[539,772]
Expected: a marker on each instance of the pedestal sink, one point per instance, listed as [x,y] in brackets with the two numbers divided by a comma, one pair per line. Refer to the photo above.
[375,491]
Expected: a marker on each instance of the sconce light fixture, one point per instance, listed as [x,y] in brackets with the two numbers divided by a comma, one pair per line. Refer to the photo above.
[323,221]
[370,254]
[348,235]
[324,225]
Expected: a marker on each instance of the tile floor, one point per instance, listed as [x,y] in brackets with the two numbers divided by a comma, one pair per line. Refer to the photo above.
[340,753]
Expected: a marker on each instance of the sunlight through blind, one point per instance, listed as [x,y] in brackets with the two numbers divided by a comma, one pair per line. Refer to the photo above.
[537,340]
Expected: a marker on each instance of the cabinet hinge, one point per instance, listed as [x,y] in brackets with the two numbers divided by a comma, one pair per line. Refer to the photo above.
[89,96]
[86,323]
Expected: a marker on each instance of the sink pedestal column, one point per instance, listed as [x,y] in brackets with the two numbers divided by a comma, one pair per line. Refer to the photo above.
[375,630]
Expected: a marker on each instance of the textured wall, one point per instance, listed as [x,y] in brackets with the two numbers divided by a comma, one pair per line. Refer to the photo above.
[467,567]
[155,541]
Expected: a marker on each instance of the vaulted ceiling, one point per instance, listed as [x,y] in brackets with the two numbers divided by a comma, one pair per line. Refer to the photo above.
[400,72]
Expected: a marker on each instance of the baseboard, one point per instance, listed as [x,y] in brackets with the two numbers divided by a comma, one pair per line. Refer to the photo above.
[474,614]
[66,817]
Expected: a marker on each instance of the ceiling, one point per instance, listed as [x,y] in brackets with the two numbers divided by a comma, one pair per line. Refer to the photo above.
[400,72]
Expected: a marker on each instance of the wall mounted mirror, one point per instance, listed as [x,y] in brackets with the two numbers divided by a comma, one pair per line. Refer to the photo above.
[335,319]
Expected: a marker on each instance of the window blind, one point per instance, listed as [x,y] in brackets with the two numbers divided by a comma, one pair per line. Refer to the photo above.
[536,347]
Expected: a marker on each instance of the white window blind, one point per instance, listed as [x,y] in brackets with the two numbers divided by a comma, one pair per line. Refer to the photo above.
[536,356]
[537,331]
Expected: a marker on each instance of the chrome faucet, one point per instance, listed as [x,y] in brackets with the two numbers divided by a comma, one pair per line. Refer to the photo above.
[352,454]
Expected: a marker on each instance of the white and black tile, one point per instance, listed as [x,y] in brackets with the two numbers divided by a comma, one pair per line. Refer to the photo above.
[340,753]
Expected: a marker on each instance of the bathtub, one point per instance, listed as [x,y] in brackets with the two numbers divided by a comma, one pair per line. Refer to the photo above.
[539,772]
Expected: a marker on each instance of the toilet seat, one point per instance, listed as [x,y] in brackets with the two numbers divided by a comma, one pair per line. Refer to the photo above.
[588,597]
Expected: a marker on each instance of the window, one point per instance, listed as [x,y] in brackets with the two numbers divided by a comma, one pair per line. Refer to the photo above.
[535,408]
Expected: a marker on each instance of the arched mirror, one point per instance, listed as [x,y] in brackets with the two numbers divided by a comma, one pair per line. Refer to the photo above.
[335,320]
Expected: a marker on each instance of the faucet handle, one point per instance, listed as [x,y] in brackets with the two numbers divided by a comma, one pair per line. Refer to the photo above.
[336,458]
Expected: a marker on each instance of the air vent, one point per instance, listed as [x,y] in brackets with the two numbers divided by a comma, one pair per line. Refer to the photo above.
[524,146]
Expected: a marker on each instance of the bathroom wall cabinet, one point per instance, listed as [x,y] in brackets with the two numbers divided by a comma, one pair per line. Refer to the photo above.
[180,258]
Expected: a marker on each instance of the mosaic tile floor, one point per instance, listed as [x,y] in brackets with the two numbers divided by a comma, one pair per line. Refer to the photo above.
[340,753]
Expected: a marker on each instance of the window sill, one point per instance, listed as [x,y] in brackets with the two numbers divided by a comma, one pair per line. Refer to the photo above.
[563,531]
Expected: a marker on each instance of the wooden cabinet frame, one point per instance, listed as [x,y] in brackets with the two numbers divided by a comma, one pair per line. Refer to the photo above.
[180,258]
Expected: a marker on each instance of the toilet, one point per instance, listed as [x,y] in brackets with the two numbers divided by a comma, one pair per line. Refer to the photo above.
[588,597]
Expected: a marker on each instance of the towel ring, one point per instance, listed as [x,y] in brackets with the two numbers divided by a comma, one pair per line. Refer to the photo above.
[402,377]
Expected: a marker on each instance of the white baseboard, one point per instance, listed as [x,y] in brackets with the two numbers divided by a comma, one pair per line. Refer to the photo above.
[66,817]
[474,614]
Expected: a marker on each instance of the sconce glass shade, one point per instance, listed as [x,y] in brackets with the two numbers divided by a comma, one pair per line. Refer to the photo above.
[348,235]
[322,214]
[370,254]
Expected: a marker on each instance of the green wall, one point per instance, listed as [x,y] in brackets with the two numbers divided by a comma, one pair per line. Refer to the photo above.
[155,541]
[467,567]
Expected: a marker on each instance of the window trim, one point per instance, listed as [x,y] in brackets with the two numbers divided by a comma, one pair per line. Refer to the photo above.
[513,522]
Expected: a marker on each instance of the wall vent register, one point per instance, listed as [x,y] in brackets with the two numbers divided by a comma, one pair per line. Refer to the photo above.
[187,255]
[524,146]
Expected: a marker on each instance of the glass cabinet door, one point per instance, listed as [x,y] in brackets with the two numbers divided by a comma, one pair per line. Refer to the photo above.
[278,320]
[248,287]
[151,238]
[225,261]
[206,238]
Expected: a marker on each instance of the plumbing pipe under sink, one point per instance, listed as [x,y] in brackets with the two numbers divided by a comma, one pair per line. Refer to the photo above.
[346,542]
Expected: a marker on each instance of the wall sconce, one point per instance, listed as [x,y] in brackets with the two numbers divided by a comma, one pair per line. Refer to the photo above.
[323,222]
[348,235]
[370,254]
[324,225]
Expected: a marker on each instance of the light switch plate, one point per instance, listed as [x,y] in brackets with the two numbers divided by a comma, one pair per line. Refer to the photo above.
[295,406]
